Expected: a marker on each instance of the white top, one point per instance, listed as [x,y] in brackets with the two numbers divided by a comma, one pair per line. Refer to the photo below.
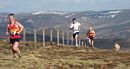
[75,27]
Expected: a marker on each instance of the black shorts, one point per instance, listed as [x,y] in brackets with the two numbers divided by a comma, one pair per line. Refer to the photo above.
[12,41]
[77,33]
[91,38]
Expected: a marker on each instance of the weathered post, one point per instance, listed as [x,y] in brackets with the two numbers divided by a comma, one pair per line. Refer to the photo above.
[43,33]
[57,37]
[35,37]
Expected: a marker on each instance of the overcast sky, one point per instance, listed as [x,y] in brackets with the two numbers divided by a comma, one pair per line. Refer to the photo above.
[62,5]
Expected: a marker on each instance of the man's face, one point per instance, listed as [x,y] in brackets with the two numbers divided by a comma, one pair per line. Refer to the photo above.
[74,21]
[90,28]
[11,18]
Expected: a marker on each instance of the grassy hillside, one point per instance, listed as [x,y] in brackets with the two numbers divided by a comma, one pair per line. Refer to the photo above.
[59,57]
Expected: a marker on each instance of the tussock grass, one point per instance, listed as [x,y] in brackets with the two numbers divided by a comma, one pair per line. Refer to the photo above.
[62,57]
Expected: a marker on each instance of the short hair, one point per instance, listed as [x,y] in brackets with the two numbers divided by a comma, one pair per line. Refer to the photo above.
[11,14]
[74,19]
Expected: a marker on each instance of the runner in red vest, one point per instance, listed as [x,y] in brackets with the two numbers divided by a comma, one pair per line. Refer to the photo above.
[91,35]
[14,29]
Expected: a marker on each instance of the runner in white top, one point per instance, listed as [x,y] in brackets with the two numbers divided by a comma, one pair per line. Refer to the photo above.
[75,27]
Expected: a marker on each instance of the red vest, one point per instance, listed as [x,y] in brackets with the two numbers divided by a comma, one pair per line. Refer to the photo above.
[91,34]
[13,29]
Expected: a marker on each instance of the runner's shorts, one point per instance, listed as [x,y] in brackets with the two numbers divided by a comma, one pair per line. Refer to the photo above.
[12,41]
[77,33]
[14,38]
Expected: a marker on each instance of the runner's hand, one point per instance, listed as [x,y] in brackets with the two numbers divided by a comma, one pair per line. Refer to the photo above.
[7,33]
[18,33]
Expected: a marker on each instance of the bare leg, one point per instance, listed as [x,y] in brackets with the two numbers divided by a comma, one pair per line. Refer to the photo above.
[76,40]
[92,41]
[89,40]
[15,49]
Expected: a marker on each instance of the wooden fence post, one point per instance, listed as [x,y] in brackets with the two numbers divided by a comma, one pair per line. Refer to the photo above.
[35,37]
[63,38]
[57,37]
[43,37]
[79,42]
[51,35]
[72,40]
[85,45]
[67,38]
[24,36]
[82,43]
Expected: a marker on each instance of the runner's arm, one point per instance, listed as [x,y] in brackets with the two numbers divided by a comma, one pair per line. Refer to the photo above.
[21,28]
[7,31]
[79,27]
[71,26]
[94,33]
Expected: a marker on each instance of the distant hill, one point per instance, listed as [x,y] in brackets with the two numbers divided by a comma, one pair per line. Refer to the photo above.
[107,24]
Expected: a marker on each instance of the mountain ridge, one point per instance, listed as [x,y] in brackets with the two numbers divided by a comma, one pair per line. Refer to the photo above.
[107,24]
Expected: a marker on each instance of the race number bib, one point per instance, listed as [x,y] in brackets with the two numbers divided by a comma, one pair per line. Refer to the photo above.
[13,32]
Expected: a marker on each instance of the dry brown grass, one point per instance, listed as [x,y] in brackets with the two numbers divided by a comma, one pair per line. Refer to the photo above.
[59,57]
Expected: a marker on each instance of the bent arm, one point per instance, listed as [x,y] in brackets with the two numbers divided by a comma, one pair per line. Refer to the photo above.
[71,26]
[87,33]
[79,27]
[7,30]
[20,28]
[94,33]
